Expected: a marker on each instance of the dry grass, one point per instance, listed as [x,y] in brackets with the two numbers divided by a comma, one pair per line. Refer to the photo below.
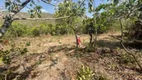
[52,58]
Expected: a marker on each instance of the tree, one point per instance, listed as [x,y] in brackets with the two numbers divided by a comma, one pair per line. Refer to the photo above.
[75,11]
[90,29]
[131,8]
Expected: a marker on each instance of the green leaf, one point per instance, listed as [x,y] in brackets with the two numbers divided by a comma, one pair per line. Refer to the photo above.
[7,4]
[90,7]
[18,1]
[116,1]
[31,5]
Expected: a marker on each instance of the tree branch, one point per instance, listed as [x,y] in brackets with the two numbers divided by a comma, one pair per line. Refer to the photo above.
[45,1]
[41,18]
[127,51]
[81,4]
[20,7]
[131,11]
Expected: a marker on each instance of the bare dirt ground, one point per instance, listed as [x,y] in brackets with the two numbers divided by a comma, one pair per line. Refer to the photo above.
[54,58]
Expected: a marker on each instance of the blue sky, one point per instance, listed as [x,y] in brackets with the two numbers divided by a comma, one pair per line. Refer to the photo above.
[50,9]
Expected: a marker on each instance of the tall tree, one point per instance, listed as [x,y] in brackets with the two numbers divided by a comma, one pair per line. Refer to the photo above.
[75,11]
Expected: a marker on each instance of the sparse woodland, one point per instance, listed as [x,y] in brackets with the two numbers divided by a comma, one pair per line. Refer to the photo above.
[68,45]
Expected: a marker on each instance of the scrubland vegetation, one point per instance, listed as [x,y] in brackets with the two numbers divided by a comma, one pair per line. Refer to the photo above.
[45,46]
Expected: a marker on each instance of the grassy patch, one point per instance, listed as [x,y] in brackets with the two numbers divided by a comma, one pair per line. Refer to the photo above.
[126,59]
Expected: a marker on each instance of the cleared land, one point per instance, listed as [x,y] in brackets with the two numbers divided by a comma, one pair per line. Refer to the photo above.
[55,58]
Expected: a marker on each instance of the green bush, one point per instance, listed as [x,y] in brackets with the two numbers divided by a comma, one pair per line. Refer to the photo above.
[17,30]
[35,31]
[44,29]
[85,73]
[102,29]
[61,29]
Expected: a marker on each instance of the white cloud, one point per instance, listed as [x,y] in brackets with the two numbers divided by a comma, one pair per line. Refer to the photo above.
[43,10]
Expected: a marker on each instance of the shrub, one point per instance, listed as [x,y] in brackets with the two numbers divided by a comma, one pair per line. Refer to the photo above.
[103,29]
[126,59]
[35,31]
[17,30]
[44,29]
[85,73]
[61,29]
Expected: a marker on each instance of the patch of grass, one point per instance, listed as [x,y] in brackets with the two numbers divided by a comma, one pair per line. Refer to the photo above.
[113,66]
[90,48]
[1,62]
[126,59]
[101,78]
[85,73]
[28,43]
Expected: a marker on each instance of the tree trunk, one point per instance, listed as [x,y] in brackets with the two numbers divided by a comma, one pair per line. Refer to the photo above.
[5,26]
[9,18]
[95,40]
[75,36]
[76,40]
[90,38]
[96,34]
